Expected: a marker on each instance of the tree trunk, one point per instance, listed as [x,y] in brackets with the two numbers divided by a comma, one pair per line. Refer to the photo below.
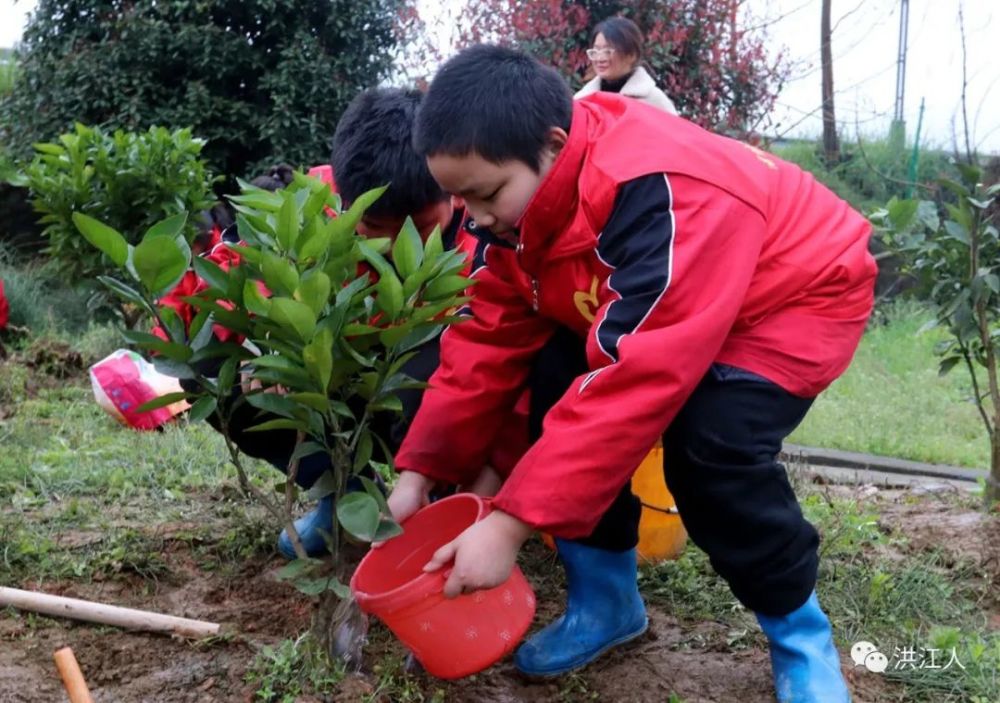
[831,147]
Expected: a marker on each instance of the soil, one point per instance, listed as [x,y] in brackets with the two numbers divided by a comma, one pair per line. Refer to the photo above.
[691,660]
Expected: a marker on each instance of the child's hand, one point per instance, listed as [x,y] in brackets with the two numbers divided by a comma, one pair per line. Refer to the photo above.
[484,554]
[411,493]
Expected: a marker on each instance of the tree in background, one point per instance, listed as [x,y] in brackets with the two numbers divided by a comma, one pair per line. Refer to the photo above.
[717,71]
[261,80]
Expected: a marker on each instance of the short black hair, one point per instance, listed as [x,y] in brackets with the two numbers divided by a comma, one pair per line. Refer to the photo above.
[373,146]
[623,34]
[493,101]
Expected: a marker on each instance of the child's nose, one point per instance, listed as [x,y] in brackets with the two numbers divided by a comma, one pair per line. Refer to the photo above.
[484,219]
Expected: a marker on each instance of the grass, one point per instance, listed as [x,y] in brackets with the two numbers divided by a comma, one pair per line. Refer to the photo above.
[892,402]
[282,673]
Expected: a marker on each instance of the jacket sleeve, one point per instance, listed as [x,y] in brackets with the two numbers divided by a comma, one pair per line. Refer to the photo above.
[485,361]
[681,254]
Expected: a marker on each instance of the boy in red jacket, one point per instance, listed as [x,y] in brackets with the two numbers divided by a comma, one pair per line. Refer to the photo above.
[714,289]
[372,147]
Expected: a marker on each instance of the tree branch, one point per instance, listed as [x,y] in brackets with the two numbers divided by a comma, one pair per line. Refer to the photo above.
[965,84]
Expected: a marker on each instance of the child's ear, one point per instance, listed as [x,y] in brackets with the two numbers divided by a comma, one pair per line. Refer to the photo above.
[556,140]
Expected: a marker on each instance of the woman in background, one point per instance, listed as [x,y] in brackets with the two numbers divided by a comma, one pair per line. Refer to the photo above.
[616,57]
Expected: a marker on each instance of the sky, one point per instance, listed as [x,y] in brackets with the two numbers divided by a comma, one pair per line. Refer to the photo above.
[864,48]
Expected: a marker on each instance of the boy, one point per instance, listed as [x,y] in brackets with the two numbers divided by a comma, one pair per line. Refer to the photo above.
[714,290]
[372,147]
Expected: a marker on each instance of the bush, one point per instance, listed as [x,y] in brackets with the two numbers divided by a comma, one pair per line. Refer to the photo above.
[720,70]
[261,80]
[128,180]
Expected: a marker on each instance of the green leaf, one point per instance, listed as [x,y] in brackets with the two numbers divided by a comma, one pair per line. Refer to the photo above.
[957,231]
[315,243]
[948,364]
[108,240]
[227,374]
[295,316]
[375,492]
[434,246]
[313,587]
[288,222]
[202,408]
[901,212]
[318,358]
[170,227]
[316,401]
[387,529]
[124,291]
[174,369]
[314,290]
[160,264]
[447,285]
[325,485]
[297,568]
[211,273]
[390,294]
[358,513]
[254,300]
[308,448]
[259,200]
[253,229]
[387,453]
[352,217]
[363,452]
[282,424]
[971,175]
[389,402]
[163,401]
[408,249]
[146,341]
[279,274]
[273,403]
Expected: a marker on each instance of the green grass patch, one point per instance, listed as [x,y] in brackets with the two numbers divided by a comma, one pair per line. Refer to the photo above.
[892,402]
[286,671]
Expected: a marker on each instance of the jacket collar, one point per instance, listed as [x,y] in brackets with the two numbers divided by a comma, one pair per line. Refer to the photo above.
[639,85]
[556,200]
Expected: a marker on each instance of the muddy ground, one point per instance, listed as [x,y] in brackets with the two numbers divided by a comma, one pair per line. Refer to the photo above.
[696,661]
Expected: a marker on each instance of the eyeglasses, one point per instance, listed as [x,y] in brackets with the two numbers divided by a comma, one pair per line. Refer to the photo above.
[594,54]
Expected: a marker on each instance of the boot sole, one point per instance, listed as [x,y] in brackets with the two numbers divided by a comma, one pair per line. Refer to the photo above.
[590,659]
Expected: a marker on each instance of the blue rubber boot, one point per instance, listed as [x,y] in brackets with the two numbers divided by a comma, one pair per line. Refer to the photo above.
[804,660]
[603,609]
[308,526]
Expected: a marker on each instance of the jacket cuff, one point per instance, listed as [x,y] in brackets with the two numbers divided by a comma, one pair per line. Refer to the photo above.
[430,469]
[544,515]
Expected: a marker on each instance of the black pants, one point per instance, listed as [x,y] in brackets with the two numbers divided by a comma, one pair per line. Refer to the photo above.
[720,464]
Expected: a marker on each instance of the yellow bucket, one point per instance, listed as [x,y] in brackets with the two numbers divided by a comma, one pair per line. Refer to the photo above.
[661,533]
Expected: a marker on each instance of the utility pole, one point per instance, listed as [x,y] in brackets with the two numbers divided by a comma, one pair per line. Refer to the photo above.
[831,147]
[897,132]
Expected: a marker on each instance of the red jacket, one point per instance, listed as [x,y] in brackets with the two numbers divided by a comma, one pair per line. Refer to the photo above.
[668,248]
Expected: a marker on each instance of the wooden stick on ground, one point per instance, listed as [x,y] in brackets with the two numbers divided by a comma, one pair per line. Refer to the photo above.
[58,606]
[72,677]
